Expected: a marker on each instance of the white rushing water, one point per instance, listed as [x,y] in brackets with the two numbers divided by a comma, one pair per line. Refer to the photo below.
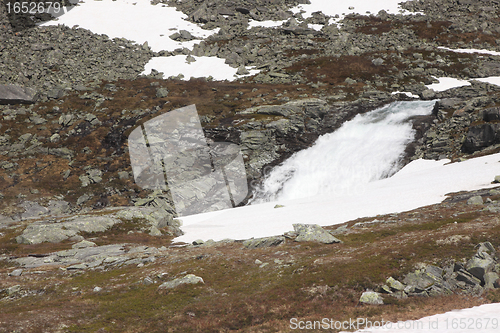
[366,148]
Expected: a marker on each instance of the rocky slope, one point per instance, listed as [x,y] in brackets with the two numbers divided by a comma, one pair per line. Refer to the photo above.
[69,202]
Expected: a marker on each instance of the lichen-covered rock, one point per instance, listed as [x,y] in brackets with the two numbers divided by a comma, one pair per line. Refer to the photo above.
[314,233]
[394,284]
[371,297]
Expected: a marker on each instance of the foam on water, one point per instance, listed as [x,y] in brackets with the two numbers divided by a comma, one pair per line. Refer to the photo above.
[367,148]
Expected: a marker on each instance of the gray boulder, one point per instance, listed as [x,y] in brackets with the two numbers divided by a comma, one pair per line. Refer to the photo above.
[314,233]
[162,92]
[263,242]
[181,36]
[11,291]
[11,94]
[475,200]
[377,61]
[36,234]
[427,94]
[16,272]
[486,247]
[371,297]
[395,284]
[490,279]
[480,264]
[188,279]
[420,280]
[200,15]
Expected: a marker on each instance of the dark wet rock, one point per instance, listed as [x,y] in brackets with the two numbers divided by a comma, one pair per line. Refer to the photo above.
[491,114]
[481,136]
[468,278]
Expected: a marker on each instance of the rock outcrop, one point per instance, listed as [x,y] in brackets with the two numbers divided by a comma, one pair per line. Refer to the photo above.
[479,273]
[57,229]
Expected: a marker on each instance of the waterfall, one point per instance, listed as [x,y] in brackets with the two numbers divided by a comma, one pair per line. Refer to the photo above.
[367,148]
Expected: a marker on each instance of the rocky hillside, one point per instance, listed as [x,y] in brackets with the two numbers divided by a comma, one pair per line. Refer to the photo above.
[69,98]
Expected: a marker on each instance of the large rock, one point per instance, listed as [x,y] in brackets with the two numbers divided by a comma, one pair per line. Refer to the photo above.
[395,284]
[475,200]
[188,279]
[371,297]
[11,94]
[490,279]
[263,242]
[491,114]
[200,15]
[420,280]
[480,264]
[314,233]
[481,136]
